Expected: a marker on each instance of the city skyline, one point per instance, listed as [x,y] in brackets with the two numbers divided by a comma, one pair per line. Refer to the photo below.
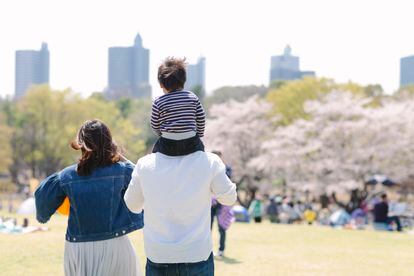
[333,38]
[196,76]
[128,70]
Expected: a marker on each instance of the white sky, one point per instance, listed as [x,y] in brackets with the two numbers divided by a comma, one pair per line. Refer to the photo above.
[358,40]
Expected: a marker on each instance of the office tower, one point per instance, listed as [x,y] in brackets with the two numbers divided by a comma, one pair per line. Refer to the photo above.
[32,67]
[407,71]
[196,77]
[128,71]
[287,67]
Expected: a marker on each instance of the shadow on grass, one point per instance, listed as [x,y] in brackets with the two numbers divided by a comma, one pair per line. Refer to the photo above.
[227,260]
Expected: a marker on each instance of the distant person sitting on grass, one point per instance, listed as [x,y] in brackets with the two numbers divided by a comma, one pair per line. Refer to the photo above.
[381,214]
[309,215]
[177,117]
[25,222]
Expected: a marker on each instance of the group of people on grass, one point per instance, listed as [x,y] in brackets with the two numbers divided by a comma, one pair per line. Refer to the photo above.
[172,193]
[10,225]
[280,209]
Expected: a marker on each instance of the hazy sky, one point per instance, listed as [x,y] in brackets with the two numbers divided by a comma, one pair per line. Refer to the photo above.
[359,40]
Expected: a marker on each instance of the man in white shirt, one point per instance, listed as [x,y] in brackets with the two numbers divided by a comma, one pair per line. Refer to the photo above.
[176,192]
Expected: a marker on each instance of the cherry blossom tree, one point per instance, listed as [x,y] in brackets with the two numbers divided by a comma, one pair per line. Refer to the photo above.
[238,129]
[344,141]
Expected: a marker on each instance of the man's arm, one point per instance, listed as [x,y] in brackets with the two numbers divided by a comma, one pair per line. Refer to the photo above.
[134,197]
[222,188]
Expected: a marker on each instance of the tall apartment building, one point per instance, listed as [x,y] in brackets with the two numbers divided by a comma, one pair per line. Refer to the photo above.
[32,67]
[196,77]
[128,71]
[287,67]
[407,71]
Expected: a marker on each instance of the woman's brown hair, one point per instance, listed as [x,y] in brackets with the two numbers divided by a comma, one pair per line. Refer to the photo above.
[94,139]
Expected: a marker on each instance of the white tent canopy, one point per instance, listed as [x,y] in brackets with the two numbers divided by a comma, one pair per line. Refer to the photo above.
[28,207]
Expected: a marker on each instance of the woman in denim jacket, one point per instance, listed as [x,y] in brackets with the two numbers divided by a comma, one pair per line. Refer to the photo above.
[96,241]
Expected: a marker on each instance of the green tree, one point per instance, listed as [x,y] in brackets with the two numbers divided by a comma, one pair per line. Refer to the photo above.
[46,121]
[5,148]
[125,106]
[140,116]
[276,84]
[117,115]
[288,98]
[374,90]
[199,91]
[404,92]
[237,93]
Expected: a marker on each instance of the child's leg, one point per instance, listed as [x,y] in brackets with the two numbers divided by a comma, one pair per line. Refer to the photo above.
[156,147]
[178,147]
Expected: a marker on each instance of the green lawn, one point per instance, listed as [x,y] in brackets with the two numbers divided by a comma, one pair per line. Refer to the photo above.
[253,249]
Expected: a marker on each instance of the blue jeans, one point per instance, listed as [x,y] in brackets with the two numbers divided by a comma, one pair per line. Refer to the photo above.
[204,268]
[222,232]
[214,212]
[396,220]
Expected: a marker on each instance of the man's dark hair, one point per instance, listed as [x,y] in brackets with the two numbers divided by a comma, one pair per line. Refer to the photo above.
[172,73]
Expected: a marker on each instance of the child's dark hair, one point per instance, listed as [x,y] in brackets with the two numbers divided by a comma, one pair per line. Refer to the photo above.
[172,73]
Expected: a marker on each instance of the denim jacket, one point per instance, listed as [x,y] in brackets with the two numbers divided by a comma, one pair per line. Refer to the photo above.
[97,207]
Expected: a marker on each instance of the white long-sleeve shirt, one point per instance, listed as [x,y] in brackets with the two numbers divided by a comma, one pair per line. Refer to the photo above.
[176,192]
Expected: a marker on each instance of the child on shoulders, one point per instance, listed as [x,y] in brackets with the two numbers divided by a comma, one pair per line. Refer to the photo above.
[177,117]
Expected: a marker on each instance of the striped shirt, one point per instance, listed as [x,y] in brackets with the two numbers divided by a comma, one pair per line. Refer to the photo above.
[178,112]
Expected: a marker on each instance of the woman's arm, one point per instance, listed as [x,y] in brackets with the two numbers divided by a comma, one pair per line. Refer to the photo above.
[48,197]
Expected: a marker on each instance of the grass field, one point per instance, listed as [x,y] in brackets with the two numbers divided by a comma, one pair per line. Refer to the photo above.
[263,249]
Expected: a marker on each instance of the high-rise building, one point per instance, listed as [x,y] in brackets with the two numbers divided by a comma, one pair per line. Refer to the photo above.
[286,67]
[407,71]
[128,71]
[32,67]
[196,77]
